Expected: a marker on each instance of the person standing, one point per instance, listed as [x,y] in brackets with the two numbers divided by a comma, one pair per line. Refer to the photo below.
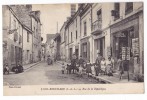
[98,64]
[103,65]
[73,63]
[81,65]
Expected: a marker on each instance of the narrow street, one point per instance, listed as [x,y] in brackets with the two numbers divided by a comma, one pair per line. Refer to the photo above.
[43,74]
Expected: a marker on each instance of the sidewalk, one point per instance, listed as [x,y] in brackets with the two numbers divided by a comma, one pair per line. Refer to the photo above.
[27,66]
[107,79]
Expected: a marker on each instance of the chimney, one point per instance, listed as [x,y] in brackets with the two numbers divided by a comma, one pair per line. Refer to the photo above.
[73,9]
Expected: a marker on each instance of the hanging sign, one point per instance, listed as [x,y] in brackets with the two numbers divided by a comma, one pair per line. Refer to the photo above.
[128,53]
[120,35]
[135,46]
[123,53]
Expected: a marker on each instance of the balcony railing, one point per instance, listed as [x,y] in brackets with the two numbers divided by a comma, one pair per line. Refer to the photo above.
[97,25]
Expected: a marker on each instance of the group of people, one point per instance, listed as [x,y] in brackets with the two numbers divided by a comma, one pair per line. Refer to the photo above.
[101,66]
[17,69]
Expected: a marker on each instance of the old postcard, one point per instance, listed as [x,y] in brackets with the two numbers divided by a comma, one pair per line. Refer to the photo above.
[77,48]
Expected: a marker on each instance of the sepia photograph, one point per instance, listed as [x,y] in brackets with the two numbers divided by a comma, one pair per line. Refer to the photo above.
[73,47]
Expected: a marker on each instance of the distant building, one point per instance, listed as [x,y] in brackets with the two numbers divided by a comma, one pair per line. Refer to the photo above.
[49,46]
[36,28]
[42,51]
[62,44]
[57,41]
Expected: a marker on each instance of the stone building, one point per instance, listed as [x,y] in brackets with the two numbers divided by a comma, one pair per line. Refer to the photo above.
[36,40]
[112,29]
[62,44]
[127,34]
[23,12]
[49,46]
[12,36]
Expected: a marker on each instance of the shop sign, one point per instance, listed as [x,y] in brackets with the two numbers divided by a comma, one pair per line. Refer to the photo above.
[125,53]
[128,53]
[135,46]
[120,35]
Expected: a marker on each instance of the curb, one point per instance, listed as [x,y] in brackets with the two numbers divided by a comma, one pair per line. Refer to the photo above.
[32,65]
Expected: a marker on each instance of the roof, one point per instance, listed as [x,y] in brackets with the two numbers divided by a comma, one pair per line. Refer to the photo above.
[56,36]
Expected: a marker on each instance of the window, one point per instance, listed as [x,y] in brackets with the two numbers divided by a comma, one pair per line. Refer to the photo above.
[99,15]
[34,31]
[129,7]
[27,36]
[27,54]
[85,29]
[76,35]
[71,36]
[117,8]
[85,50]
[14,24]
[76,22]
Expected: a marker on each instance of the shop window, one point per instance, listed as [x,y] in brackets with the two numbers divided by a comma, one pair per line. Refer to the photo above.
[117,11]
[85,50]
[129,8]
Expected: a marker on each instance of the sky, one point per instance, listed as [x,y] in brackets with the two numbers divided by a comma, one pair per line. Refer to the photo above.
[50,15]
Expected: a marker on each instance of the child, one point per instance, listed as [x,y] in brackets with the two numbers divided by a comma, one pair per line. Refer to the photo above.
[63,68]
[109,65]
[103,66]
[93,70]
[6,69]
[81,70]
[88,68]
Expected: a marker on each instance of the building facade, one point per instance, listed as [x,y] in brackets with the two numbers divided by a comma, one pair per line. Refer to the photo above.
[36,39]
[50,46]
[12,37]
[18,35]
[62,44]
[111,29]
[127,34]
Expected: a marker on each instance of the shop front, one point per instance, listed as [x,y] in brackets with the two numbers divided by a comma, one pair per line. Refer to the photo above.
[85,48]
[125,42]
[99,44]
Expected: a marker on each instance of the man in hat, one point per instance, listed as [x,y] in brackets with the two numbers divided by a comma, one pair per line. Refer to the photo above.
[73,63]
[98,64]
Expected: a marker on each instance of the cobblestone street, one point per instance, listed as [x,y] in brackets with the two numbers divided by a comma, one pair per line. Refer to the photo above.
[43,74]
